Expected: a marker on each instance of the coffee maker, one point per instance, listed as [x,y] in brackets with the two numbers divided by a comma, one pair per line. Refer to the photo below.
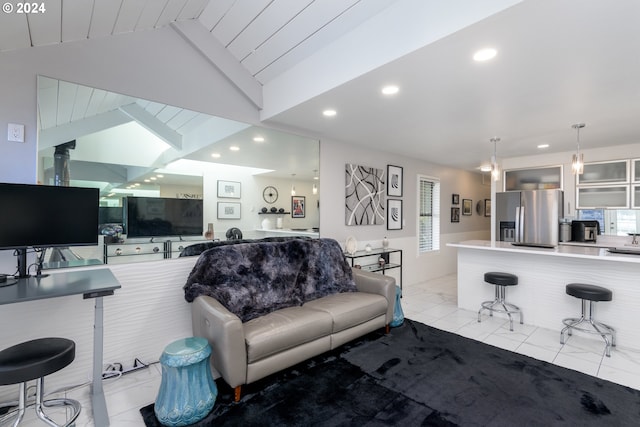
[585,230]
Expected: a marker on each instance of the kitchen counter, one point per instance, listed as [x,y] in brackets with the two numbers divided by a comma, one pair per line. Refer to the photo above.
[577,250]
[542,276]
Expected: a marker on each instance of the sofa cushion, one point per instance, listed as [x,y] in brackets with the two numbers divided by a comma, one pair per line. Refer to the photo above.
[254,279]
[284,329]
[350,309]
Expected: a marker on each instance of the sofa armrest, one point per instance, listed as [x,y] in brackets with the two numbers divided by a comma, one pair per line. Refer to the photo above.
[380,284]
[224,331]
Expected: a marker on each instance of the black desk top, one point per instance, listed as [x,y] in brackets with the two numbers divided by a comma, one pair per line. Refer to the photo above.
[89,283]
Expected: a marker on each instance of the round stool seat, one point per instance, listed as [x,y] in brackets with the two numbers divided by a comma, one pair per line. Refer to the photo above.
[35,359]
[589,292]
[501,279]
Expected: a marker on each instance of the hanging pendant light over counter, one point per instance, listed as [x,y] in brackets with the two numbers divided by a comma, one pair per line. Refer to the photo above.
[577,163]
[495,168]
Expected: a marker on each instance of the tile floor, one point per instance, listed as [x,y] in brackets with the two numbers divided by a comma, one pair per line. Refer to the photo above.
[433,303]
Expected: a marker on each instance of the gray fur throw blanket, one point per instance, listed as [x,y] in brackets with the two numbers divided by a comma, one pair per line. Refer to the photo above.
[254,279]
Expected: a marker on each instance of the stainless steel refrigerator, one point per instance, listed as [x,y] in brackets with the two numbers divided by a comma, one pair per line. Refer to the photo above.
[529,217]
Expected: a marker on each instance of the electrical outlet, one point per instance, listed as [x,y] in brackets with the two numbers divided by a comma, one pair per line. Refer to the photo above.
[15,132]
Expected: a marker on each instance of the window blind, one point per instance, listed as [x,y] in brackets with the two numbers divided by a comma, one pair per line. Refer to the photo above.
[429,215]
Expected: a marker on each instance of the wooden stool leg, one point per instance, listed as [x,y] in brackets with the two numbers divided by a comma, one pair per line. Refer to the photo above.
[236,393]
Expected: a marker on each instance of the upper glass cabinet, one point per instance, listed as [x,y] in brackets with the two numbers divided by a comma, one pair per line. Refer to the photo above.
[636,170]
[605,173]
[533,179]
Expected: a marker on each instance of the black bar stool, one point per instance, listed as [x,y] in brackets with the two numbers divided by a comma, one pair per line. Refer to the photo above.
[592,294]
[499,305]
[33,360]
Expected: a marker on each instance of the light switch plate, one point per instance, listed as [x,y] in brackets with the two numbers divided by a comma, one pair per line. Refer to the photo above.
[15,132]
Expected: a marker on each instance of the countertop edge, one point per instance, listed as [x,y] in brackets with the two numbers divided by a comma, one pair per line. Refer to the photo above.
[593,253]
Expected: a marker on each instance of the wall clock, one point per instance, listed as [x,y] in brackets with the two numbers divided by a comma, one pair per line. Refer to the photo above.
[270,194]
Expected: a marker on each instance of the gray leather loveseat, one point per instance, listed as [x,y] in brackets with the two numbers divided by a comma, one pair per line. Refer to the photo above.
[267,306]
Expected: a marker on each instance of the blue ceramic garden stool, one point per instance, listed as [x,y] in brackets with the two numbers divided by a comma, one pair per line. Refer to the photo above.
[187,392]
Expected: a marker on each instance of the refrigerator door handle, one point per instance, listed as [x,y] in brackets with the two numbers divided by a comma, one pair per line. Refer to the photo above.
[517,236]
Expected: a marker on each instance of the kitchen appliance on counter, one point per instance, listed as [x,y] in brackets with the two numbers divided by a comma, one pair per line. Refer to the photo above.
[565,231]
[585,230]
[530,216]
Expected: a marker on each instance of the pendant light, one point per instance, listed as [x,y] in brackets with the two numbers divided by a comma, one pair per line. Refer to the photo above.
[314,189]
[577,164]
[293,184]
[495,168]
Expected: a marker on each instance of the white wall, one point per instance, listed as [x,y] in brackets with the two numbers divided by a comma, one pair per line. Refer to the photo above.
[333,157]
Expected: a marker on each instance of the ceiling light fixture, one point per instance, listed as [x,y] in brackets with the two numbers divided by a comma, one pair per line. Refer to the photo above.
[485,54]
[542,146]
[329,113]
[495,168]
[234,148]
[577,163]
[390,90]
[215,155]
[258,139]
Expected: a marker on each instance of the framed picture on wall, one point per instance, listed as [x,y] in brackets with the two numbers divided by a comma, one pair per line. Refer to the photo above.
[394,214]
[455,214]
[466,206]
[455,199]
[228,210]
[297,206]
[229,189]
[487,207]
[394,181]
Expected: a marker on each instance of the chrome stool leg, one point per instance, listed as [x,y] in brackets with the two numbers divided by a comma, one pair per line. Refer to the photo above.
[507,308]
[599,328]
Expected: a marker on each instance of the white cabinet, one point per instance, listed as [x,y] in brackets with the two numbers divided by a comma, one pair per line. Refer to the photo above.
[533,179]
[605,173]
[604,185]
[609,197]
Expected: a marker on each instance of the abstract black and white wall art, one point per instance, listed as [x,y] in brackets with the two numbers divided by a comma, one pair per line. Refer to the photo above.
[364,195]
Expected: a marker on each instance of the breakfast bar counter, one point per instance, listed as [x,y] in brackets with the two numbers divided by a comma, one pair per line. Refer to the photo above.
[543,274]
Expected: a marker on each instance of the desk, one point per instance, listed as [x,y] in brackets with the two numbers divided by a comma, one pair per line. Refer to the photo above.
[94,284]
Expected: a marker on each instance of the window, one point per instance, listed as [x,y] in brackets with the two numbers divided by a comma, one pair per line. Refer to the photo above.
[429,214]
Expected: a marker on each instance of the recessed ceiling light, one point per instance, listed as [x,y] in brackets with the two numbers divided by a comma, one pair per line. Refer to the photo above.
[153,178]
[147,180]
[215,155]
[485,54]
[485,168]
[160,175]
[541,146]
[329,113]
[258,139]
[234,148]
[390,90]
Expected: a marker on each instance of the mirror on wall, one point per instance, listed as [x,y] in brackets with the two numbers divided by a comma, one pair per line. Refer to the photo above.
[127,146]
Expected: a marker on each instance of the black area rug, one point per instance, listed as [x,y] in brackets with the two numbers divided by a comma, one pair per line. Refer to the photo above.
[422,376]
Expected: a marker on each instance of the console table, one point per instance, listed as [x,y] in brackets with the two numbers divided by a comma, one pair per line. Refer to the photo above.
[93,284]
[373,265]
